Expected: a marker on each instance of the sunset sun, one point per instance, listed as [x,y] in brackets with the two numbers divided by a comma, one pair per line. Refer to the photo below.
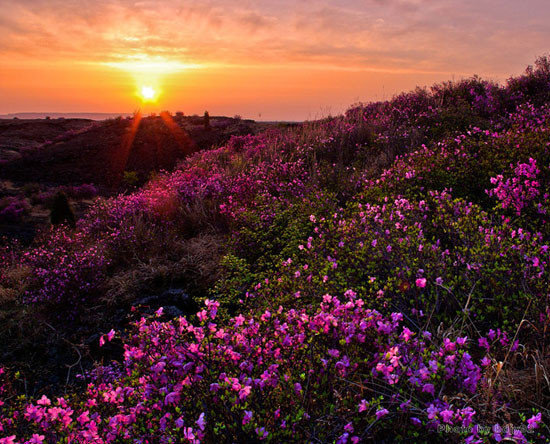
[148,93]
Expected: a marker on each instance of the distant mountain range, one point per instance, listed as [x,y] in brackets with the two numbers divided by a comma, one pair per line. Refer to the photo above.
[97,116]
[35,115]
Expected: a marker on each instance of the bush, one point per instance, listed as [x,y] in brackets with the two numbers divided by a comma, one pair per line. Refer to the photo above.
[130,179]
[13,209]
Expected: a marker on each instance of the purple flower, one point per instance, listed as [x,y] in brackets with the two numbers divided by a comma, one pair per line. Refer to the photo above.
[428,388]
[446,416]
[201,422]
[533,421]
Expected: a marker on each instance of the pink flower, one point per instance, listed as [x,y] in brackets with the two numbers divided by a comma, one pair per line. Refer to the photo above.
[381,413]
[44,401]
[533,421]
[83,418]
[247,417]
[363,405]
[421,282]
[244,392]
[188,433]
[239,320]
[407,334]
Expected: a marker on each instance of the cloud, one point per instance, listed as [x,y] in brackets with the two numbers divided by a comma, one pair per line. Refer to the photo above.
[424,35]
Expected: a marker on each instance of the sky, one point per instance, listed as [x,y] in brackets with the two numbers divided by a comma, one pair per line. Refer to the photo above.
[261,59]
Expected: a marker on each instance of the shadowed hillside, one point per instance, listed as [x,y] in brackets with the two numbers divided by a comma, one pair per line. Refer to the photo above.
[71,151]
[18,134]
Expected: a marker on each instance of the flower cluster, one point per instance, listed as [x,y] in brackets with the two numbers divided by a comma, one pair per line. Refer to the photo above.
[517,192]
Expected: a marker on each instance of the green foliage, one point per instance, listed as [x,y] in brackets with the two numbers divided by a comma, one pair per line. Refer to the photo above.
[130,179]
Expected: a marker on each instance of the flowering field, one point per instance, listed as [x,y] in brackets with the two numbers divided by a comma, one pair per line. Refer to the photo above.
[381,276]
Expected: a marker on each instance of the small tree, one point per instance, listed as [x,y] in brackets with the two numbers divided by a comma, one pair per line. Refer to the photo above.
[62,212]
[206,120]
[130,179]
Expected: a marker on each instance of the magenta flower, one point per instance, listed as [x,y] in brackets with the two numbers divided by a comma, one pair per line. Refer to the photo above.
[44,400]
[36,439]
[188,433]
[533,421]
[447,416]
[244,392]
[421,282]
[333,353]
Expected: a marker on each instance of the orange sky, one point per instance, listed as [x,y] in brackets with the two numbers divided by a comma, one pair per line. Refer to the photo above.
[286,60]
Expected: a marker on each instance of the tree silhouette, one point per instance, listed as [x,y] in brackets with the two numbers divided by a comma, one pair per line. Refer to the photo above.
[62,212]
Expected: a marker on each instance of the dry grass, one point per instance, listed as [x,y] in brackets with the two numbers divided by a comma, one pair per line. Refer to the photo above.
[13,283]
[189,263]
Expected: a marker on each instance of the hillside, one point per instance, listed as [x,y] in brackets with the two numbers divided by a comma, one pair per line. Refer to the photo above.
[379,276]
[75,151]
[18,134]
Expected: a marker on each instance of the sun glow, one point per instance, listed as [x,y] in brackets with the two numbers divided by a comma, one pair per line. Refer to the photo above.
[149,73]
[140,64]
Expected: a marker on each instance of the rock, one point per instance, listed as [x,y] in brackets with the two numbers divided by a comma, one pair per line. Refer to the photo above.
[172,312]
[175,302]
[175,295]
